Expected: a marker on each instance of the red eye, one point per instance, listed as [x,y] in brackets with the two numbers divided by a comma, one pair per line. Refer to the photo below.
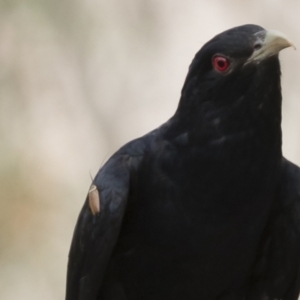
[221,63]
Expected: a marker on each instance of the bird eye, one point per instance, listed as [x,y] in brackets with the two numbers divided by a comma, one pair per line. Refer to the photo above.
[221,63]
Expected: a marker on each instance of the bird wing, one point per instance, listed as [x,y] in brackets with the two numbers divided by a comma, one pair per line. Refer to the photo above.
[277,270]
[99,224]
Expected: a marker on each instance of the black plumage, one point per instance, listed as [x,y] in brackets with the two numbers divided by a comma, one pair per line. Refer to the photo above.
[205,206]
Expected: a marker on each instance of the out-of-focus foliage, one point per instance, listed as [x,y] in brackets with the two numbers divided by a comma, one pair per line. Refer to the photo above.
[77,80]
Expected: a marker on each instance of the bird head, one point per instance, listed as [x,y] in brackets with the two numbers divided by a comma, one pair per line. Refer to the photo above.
[235,78]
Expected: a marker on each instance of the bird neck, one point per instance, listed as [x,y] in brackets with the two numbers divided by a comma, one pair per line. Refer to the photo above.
[251,113]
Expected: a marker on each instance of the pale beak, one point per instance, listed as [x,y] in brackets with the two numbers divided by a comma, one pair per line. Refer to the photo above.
[268,43]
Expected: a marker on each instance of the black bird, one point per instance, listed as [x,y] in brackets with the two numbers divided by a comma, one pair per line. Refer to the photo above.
[205,206]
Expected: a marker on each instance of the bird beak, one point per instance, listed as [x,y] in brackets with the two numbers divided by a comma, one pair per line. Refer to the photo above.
[268,43]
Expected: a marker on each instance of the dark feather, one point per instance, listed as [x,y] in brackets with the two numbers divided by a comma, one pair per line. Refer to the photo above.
[205,206]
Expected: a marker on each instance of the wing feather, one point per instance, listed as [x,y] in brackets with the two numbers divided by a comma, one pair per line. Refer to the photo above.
[96,235]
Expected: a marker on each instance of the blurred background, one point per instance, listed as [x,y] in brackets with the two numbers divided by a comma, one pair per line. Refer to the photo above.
[77,80]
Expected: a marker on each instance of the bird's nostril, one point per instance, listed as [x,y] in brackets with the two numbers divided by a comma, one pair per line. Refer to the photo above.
[257,46]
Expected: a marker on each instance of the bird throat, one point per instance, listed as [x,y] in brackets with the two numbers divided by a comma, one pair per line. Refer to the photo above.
[249,116]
